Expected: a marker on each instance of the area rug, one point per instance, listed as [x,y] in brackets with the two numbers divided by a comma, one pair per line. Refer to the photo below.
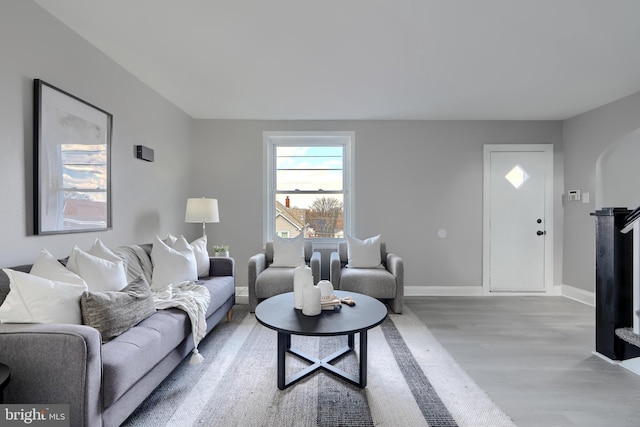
[411,381]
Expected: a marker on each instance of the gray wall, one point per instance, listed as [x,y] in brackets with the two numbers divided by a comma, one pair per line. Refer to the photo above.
[411,179]
[617,167]
[587,137]
[148,198]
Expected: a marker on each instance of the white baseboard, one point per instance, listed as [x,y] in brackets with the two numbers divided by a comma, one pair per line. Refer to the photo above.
[605,358]
[442,291]
[632,365]
[242,295]
[464,291]
[580,295]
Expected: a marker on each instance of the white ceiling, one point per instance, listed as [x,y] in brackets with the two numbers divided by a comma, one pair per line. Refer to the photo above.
[370,59]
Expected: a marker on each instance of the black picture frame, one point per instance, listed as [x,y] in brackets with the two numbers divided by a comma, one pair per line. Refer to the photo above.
[72,163]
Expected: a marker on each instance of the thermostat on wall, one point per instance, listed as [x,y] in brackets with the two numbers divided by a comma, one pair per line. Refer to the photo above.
[574,195]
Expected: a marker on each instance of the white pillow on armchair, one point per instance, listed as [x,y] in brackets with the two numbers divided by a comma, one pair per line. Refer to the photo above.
[288,252]
[363,253]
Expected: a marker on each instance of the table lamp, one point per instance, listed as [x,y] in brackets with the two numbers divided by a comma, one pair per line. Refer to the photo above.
[202,210]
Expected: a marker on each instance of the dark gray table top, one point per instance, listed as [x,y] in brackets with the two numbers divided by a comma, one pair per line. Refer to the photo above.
[5,374]
[278,313]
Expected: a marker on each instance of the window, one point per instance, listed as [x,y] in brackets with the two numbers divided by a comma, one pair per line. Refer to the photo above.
[308,185]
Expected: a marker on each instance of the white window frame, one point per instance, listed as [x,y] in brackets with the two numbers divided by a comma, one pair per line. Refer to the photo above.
[273,139]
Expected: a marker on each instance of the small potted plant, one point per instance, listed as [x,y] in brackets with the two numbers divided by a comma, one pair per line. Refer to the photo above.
[221,250]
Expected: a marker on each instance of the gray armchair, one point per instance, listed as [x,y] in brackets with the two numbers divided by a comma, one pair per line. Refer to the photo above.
[383,283]
[266,281]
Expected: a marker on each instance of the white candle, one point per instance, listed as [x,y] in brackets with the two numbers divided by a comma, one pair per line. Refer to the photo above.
[312,305]
[302,277]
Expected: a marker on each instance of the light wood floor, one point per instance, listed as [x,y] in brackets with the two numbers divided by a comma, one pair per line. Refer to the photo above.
[533,356]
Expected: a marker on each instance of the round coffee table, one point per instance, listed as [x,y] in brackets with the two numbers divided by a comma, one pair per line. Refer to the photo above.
[278,314]
[5,375]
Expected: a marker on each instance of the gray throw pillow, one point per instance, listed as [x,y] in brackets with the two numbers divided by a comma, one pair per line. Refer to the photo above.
[115,312]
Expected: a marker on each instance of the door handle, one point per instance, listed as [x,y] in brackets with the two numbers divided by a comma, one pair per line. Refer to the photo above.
[541,233]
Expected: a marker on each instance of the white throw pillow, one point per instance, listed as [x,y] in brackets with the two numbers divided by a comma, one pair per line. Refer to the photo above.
[199,247]
[33,299]
[363,253]
[48,267]
[170,240]
[288,252]
[172,265]
[100,274]
[100,250]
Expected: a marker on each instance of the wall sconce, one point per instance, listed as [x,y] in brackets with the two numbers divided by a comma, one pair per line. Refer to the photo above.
[143,153]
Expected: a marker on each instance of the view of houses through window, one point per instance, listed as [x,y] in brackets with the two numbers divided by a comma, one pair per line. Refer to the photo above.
[324,218]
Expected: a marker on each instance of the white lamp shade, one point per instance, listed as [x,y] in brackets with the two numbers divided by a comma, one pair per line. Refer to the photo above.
[202,210]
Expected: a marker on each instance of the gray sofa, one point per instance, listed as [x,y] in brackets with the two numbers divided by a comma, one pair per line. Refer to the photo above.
[104,383]
[385,283]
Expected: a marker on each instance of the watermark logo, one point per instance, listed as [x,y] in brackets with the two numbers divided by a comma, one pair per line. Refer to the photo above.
[34,415]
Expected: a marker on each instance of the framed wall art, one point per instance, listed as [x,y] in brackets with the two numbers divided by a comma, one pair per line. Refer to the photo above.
[72,163]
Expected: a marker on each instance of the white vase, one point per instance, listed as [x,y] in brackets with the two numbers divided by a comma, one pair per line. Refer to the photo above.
[311,305]
[326,288]
[222,254]
[302,277]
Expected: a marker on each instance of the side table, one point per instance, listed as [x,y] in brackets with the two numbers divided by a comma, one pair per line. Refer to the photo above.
[5,375]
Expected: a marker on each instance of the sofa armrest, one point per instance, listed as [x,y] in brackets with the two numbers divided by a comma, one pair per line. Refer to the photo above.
[221,266]
[335,266]
[314,263]
[55,363]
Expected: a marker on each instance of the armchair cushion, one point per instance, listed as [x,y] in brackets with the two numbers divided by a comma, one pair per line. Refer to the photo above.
[375,282]
[274,281]
[385,281]
[266,280]
[364,253]
[288,252]
[343,254]
[268,252]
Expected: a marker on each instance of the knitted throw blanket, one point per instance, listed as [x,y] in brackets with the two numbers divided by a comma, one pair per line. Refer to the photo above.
[194,300]
[187,296]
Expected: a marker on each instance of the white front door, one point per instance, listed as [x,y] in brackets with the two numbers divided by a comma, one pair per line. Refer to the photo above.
[516,207]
